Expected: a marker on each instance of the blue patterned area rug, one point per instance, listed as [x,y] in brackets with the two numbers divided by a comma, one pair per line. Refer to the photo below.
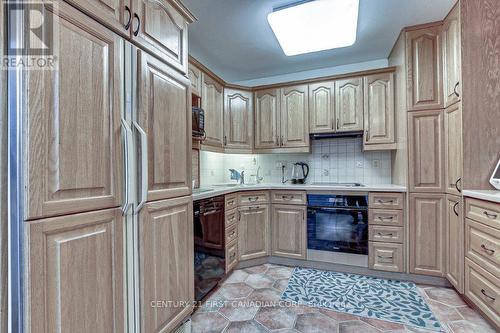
[389,300]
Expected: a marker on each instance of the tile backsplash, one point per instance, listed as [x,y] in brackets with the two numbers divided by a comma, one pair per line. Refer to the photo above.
[330,160]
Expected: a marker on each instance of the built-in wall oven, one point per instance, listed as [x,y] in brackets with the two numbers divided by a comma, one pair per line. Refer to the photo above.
[337,223]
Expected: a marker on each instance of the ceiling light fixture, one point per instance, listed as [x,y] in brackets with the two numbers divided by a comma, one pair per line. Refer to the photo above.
[315,25]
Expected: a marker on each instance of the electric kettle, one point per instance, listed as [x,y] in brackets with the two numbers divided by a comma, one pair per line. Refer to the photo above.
[299,173]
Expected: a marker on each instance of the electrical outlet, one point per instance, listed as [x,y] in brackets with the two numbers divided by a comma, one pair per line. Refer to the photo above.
[325,156]
[325,172]
[376,164]
[359,164]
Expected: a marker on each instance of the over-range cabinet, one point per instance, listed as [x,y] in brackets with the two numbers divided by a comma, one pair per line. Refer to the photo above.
[106,231]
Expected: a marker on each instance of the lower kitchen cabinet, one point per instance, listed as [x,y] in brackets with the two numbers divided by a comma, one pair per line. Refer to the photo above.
[166,263]
[454,232]
[385,256]
[289,231]
[76,273]
[253,231]
[427,238]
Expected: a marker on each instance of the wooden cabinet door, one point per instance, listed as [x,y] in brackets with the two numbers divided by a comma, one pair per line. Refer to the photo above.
[253,231]
[212,103]
[288,230]
[74,151]
[76,273]
[164,105]
[379,109]
[294,116]
[238,120]
[162,29]
[166,256]
[427,238]
[267,118]
[453,148]
[452,57]
[454,231]
[426,150]
[349,104]
[195,77]
[424,65]
[322,107]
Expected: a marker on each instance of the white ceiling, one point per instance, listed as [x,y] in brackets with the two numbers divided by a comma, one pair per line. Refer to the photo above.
[234,39]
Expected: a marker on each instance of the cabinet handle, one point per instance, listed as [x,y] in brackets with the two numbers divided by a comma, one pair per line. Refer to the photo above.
[287,197]
[239,215]
[367,135]
[225,140]
[490,216]
[337,123]
[387,235]
[455,89]
[488,251]
[382,218]
[232,234]
[455,208]
[385,201]
[127,137]
[136,32]
[129,21]
[252,199]
[456,185]
[486,295]
[144,166]
[384,257]
[232,255]
[281,140]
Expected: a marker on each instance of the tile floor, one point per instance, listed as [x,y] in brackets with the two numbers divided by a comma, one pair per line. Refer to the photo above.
[245,304]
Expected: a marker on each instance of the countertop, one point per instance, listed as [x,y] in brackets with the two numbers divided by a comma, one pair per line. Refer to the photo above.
[221,190]
[489,195]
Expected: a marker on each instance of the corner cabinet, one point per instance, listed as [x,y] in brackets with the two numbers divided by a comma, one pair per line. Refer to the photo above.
[349,104]
[212,102]
[322,107]
[294,117]
[238,120]
[379,111]
[289,231]
[452,57]
[454,245]
[253,231]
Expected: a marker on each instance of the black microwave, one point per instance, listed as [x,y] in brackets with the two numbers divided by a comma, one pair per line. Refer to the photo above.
[198,122]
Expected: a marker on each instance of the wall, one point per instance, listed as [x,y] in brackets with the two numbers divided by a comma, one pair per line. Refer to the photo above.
[331,160]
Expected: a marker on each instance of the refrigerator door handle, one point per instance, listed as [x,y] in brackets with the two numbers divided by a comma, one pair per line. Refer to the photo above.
[127,137]
[144,166]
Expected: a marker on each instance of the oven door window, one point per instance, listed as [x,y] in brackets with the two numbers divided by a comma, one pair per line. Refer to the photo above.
[338,230]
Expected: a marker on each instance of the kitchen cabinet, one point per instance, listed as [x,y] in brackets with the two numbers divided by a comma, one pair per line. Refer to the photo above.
[426,151]
[294,120]
[267,114]
[238,120]
[253,231]
[212,102]
[161,27]
[289,231]
[194,74]
[454,231]
[379,111]
[74,149]
[166,256]
[452,57]
[349,104]
[453,148]
[427,233]
[424,66]
[386,257]
[322,107]
[165,117]
[76,273]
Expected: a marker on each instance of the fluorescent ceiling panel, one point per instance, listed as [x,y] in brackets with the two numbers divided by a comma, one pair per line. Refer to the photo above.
[315,26]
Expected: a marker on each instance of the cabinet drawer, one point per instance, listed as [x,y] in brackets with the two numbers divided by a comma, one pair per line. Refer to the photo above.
[386,200]
[289,197]
[386,217]
[250,198]
[231,256]
[482,245]
[231,233]
[484,212]
[385,256]
[483,289]
[382,233]
[230,217]
[231,201]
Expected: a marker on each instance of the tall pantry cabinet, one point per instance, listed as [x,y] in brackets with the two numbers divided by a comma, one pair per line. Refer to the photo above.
[108,212]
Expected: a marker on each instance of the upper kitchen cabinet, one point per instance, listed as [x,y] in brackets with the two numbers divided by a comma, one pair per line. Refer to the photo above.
[452,57]
[349,104]
[424,65]
[379,111]
[453,148]
[238,120]
[322,107]
[74,150]
[161,27]
[294,117]
[165,119]
[212,102]
[267,113]
[194,74]
[426,151]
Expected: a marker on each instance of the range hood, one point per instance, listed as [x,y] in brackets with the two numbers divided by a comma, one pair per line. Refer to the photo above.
[353,134]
